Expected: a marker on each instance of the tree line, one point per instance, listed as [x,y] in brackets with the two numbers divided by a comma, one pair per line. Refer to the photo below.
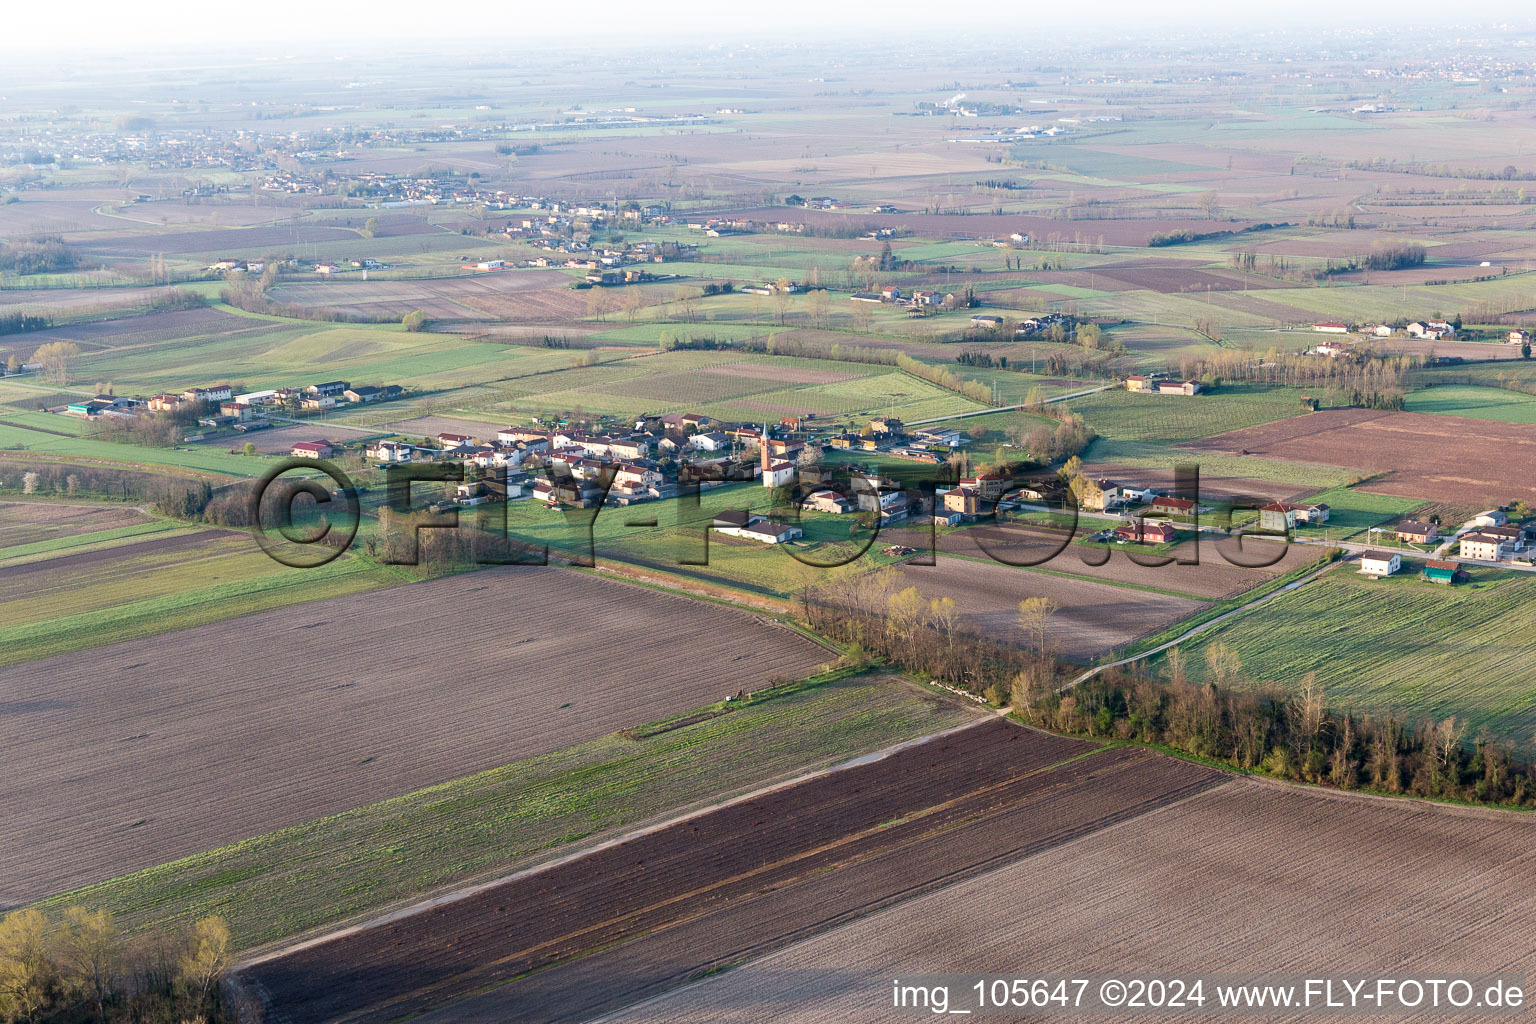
[81,968]
[1224,716]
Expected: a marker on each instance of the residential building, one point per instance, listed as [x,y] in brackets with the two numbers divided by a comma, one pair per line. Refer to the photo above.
[1280,517]
[962,500]
[1167,506]
[1380,563]
[827,501]
[1415,532]
[1484,547]
[1147,533]
[390,451]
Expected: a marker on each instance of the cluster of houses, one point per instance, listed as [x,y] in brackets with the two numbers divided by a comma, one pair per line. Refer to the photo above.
[916,302]
[1024,328]
[232,409]
[887,434]
[574,254]
[1431,330]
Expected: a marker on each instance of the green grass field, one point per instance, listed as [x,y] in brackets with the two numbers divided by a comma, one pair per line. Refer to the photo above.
[204,458]
[679,534]
[324,871]
[1481,403]
[1353,512]
[1400,646]
[99,588]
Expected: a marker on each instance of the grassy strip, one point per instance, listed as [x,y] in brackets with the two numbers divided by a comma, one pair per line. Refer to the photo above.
[100,537]
[324,871]
[61,634]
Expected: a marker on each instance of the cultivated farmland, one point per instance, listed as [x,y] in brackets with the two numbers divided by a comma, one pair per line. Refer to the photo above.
[680,902]
[1400,646]
[1093,617]
[1422,455]
[1249,876]
[1213,577]
[25,523]
[118,763]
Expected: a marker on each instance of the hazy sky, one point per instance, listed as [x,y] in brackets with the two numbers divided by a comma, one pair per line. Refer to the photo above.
[188,24]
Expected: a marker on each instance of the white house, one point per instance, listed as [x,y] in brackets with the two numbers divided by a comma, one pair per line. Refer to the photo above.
[713,441]
[1379,563]
[390,451]
[1486,547]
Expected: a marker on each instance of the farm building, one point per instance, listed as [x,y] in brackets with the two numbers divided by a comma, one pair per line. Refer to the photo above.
[1178,387]
[763,531]
[1331,327]
[1415,532]
[865,297]
[1493,517]
[1441,572]
[312,450]
[1380,563]
[986,321]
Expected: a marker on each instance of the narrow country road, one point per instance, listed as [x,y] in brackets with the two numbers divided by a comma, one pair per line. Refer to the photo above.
[1210,623]
[1009,408]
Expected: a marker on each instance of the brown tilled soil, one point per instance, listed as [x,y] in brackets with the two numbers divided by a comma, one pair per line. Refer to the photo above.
[130,755]
[1092,617]
[1213,577]
[26,522]
[1247,877]
[1438,458]
[632,920]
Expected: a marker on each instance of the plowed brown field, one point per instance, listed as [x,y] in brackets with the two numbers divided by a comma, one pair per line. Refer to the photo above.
[1438,458]
[631,920]
[1251,876]
[130,755]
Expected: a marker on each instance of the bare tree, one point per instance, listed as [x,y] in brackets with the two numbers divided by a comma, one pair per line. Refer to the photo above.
[1035,615]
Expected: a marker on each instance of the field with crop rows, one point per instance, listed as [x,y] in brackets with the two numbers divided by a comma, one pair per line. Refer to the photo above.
[1400,646]
[1225,882]
[341,702]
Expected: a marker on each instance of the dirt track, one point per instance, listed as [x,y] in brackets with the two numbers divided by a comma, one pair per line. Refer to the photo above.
[632,920]
[122,757]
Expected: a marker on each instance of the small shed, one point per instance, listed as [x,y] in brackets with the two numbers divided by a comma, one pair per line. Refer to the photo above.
[1447,573]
